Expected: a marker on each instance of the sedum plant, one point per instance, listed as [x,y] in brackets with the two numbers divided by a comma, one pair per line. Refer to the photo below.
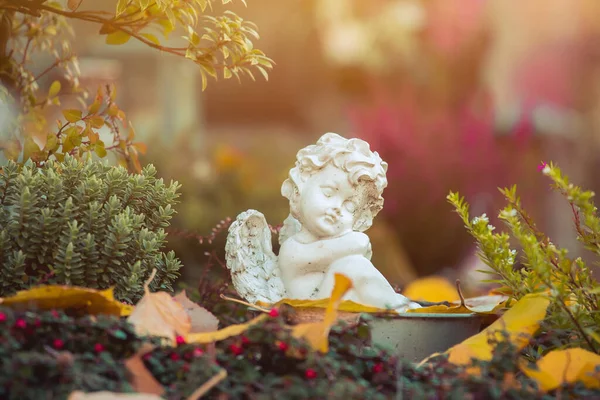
[574,314]
[85,223]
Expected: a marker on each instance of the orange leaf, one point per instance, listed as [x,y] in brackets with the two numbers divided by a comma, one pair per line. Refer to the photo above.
[141,379]
[566,366]
[159,315]
[63,297]
[431,288]
[317,333]
[141,147]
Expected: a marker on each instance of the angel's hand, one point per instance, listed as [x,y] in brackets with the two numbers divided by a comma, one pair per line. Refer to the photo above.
[353,243]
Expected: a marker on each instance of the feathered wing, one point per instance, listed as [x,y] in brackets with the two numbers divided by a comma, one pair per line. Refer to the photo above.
[250,258]
[290,227]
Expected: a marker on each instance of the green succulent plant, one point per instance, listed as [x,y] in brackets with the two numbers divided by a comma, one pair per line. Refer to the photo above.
[85,223]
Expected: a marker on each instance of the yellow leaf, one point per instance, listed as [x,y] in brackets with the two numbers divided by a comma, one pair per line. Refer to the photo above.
[204,80]
[99,148]
[520,322]
[72,138]
[95,106]
[30,147]
[72,115]
[431,288]
[346,305]
[96,121]
[151,38]
[222,334]
[54,89]
[117,37]
[159,315]
[121,6]
[317,333]
[566,366]
[113,110]
[478,305]
[51,143]
[11,149]
[62,297]
[226,73]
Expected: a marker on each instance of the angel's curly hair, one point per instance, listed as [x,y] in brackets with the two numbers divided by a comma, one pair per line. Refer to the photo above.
[353,156]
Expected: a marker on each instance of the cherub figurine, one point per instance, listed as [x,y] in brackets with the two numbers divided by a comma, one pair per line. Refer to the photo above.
[335,192]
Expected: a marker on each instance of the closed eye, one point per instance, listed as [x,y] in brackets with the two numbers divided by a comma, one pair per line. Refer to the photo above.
[350,206]
[328,191]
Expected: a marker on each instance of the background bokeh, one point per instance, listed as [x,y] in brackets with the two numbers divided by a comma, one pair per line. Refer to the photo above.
[464,95]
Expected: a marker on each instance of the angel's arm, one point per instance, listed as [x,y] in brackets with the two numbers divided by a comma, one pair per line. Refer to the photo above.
[313,256]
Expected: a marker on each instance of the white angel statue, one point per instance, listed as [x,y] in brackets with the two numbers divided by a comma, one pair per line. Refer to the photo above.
[334,192]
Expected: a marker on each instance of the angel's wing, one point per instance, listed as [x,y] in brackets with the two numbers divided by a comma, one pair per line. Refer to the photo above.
[250,258]
[290,227]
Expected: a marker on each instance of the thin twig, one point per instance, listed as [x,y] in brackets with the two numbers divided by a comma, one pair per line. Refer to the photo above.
[244,303]
[212,382]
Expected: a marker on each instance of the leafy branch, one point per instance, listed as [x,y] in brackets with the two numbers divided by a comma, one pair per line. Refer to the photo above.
[222,44]
[544,266]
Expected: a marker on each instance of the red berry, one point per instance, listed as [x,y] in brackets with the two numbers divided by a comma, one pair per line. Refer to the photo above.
[58,344]
[54,313]
[98,348]
[2,317]
[310,373]
[21,323]
[235,349]
[274,313]
[283,346]
[245,340]
[146,356]
[377,368]
[37,323]
[174,356]
[180,340]
[198,352]
[186,368]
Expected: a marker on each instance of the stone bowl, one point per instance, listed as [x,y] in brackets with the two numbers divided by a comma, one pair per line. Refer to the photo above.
[415,336]
[411,336]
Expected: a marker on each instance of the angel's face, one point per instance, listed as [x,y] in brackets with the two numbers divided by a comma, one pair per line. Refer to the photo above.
[328,203]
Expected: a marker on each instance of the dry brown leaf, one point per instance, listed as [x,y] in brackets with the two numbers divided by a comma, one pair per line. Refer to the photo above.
[141,379]
[159,314]
[202,320]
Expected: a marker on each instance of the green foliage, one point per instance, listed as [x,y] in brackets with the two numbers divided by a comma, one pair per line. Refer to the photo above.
[544,266]
[87,224]
[29,31]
